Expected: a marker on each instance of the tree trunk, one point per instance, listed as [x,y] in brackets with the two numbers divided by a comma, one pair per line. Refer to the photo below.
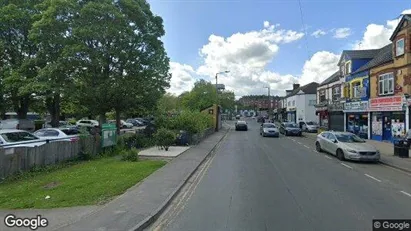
[23,107]
[102,119]
[53,107]
[118,121]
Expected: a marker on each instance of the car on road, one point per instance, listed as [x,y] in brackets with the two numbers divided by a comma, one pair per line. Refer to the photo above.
[11,138]
[241,126]
[55,134]
[309,126]
[346,145]
[269,129]
[290,129]
[237,117]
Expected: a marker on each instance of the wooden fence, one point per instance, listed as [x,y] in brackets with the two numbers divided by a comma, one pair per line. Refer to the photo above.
[20,159]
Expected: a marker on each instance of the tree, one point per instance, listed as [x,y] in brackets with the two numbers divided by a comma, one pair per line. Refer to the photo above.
[227,100]
[168,102]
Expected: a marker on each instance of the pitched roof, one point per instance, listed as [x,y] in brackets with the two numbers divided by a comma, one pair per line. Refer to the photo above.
[383,56]
[397,29]
[359,54]
[333,78]
[310,88]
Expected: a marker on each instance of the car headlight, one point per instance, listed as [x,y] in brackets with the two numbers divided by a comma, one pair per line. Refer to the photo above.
[351,151]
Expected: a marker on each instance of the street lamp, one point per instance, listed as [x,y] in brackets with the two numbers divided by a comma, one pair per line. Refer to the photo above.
[216,85]
[269,100]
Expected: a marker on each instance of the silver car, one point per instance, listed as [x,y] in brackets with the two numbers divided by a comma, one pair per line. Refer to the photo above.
[346,145]
[269,129]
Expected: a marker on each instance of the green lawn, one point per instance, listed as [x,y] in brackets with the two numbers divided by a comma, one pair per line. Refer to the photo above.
[87,183]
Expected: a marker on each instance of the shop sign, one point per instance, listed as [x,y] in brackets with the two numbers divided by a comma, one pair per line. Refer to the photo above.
[336,107]
[391,103]
[291,109]
[317,109]
[356,106]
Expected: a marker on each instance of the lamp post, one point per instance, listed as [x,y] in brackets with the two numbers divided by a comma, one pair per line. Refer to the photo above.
[216,83]
[269,100]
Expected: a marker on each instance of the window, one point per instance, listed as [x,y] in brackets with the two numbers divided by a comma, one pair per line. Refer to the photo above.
[293,102]
[311,102]
[342,69]
[289,103]
[348,67]
[322,96]
[13,137]
[399,47]
[386,84]
[356,90]
[336,93]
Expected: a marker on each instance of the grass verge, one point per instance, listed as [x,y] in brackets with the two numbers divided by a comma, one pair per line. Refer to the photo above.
[88,183]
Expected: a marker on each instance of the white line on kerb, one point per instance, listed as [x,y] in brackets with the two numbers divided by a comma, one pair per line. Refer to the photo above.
[306,146]
[405,193]
[346,165]
[327,157]
[372,177]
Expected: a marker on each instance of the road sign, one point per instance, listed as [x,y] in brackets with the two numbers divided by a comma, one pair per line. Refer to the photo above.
[108,135]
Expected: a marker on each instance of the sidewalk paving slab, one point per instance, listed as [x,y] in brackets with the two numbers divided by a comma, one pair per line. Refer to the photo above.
[387,154]
[173,151]
[141,204]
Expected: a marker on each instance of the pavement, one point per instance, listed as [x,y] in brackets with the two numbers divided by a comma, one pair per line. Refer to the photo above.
[387,154]
[259,183]
[173,151]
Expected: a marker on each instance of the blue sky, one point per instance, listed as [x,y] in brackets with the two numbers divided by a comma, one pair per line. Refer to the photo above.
[189,24]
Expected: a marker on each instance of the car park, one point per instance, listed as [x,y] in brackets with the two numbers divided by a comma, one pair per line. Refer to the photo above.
[11,138]
[346,145]
[241,126]
[55,134]
[290,129]
[87,123]
[269,129]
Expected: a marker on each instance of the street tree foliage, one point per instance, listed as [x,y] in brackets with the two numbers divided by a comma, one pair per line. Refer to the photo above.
[82,57]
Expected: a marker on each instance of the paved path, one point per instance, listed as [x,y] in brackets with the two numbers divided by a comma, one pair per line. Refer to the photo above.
[256,183]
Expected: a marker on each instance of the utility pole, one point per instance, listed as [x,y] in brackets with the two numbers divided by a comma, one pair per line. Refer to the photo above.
[216,84]
[269,101]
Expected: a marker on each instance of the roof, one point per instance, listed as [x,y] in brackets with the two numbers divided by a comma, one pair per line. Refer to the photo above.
[359,54]
[398,28]
[383,56]
[310,88]
[333,78]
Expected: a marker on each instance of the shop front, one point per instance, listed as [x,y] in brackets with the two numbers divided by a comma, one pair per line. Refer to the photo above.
[322,112]
[356,117]
[336,116]
[388,118]
[292,115]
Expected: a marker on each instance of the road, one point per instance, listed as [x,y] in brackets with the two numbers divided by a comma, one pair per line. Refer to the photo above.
[256,183]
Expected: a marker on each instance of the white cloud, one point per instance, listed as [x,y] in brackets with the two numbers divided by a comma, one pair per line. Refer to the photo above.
[319,67]
[246,56]
[182,78]
[376,35]
[341,33]
[318,33]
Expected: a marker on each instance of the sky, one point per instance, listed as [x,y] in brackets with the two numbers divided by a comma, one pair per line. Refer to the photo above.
[269,42]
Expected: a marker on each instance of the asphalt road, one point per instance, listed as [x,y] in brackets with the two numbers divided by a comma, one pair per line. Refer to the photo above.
[256,183]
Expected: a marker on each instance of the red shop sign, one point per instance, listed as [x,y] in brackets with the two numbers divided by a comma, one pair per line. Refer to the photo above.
[391,101]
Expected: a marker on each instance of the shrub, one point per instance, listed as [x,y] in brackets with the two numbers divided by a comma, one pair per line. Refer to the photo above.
[130,140]
[165,138]
[190,121]
[129,155]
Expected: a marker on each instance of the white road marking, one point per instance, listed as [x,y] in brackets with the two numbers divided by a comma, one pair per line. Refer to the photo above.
[405,193]
[327,157]
[346,165]
[306,146]
[372,177]
[299,142]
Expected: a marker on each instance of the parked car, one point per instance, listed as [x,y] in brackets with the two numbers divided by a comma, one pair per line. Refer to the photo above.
[241,126]
[61,124]
[346,145]
[135,122]
[269,129]
[10,138]
[70,130]
[237,117]
[87,123]
[19,124]
[123,124]
[143,121]
[309,126]
[55,134]
[290,129]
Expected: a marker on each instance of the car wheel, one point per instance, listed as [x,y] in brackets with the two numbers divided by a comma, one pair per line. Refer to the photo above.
[340,154]
[286,133]
[263,134]
[318,146]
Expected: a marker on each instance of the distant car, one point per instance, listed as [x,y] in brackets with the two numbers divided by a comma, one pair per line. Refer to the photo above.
[241,126]
[260,119]
[87,123]
[135,122]
[289,129]
[269,129]
[123,124]
[346,145]
[10,138]
[309,126]
[238,117]
[55,134]
[19,124]
[61,124]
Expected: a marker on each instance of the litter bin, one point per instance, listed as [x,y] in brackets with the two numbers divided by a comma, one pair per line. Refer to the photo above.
[401,148]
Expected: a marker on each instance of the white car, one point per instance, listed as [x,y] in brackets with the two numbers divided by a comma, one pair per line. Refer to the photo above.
[55,134]
[346,145]
[87,123]
[11,138]
[123,124]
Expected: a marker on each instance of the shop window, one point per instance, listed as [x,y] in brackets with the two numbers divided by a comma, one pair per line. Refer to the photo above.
[399,47]
[386,84]
[398,124]
[376,124]
[336,93]
[356,89]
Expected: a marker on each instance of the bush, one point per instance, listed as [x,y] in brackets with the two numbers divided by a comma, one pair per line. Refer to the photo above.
[130,140]
[129,155]
[165,138]
[190,121]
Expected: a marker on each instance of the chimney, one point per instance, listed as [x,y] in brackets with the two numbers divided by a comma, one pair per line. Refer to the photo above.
[287,92]
[295,86]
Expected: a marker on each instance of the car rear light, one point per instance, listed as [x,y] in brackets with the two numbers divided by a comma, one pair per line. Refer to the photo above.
[74,139]
[18,126]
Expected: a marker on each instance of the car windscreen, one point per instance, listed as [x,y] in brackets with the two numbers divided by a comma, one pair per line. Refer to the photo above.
[311,123]
[12,137]
[268,126]
[349,138]
[241,122]
[291,125]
